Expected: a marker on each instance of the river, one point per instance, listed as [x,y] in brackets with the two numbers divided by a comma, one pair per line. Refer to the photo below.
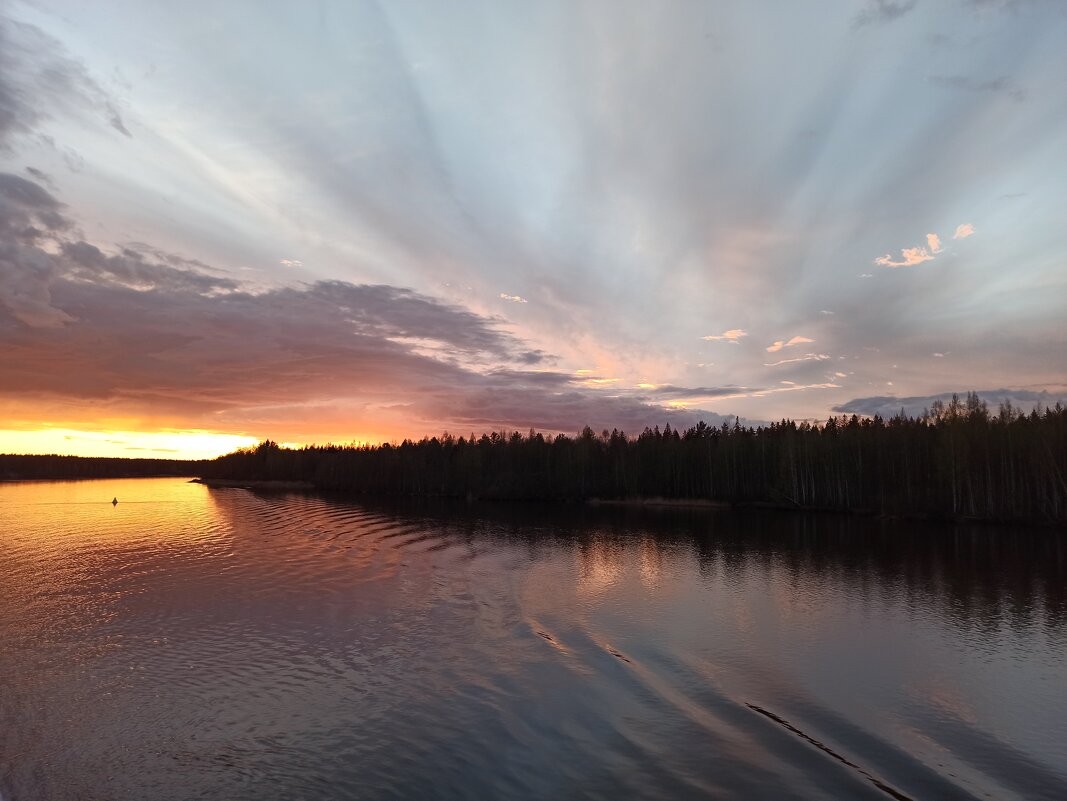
[196,643]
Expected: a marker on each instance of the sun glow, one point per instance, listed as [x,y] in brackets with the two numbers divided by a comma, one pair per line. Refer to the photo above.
[166,444]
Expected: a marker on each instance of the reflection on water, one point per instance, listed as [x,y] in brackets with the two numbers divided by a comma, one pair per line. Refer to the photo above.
[196,643]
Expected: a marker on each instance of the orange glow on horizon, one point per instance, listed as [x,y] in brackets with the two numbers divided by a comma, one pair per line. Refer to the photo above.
[165,444]
[170,443]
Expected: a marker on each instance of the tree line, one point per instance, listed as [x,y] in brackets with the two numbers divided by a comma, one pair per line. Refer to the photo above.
[53,466]
[957,460]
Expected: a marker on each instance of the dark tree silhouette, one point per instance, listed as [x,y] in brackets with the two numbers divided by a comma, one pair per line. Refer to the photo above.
[63,467]
[955,461]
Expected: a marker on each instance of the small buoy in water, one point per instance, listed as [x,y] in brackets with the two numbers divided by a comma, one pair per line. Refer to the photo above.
[114,501]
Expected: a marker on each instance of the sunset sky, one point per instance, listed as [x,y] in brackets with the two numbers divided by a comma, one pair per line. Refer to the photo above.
[313,222]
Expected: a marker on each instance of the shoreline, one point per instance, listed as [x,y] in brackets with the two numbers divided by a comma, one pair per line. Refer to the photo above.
[680,503]
[651,503]
[253,484]
[9,480]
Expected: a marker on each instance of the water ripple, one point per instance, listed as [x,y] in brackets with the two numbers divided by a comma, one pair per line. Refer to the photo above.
[197,643]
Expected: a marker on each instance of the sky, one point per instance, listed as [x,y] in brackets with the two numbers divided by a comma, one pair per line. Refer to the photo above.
[363,221]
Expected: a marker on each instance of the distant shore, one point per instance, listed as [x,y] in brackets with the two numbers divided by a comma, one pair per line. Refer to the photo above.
[686,503]
[257,484]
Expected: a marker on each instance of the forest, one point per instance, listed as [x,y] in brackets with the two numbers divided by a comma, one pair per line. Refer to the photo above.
[17,467]
[958,460]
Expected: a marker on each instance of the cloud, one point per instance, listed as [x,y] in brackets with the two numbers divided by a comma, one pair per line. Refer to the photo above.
[38,80]
[132,270]
[733,335]
[178,346]
[671,391]
[632,210]
[139,332]
[889,405]
[512,298]
[29,216]
[965,83]
[492,408]
[40,177]
[28,213]
[911,257]
[807,357]
[917,255]
[291,263]
[883,11]
[779,344]
[41,263]
[792,387]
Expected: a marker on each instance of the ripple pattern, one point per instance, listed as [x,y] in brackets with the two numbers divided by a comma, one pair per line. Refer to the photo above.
[192,643]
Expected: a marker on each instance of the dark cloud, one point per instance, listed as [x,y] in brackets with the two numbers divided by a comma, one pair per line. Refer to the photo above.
[494,407]
[544,378]
[398,313]
[965,83]
[889,405]
[114,119]
[153,331]
[175,347]
[173,259]
[41,177]
[29,216]
[130,269]
[670,391]
[39,79]
[883,11]
[27,211]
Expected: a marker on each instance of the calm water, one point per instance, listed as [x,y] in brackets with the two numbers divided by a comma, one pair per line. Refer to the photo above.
[193,643]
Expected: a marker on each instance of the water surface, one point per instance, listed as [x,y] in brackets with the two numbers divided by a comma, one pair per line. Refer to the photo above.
[192,643]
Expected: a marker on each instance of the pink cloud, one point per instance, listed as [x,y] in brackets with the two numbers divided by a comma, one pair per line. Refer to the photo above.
[917,255]
[733,335]
[779,344]
[911,257]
